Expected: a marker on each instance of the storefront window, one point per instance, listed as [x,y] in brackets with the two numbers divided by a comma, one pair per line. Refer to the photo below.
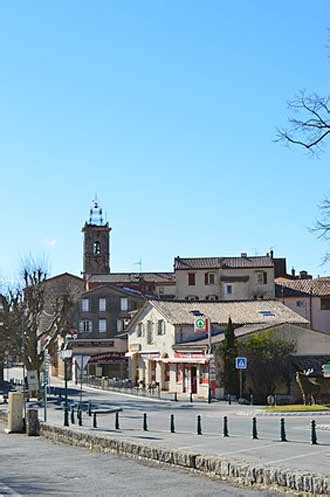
[167,372]
[178,373]
[202,374]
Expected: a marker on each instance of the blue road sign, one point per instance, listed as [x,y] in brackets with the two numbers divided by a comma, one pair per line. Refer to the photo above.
[241,362]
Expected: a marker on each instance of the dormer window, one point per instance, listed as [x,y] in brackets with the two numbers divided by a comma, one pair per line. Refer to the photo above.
[96,248]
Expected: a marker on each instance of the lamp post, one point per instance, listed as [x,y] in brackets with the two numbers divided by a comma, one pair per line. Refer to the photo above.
[66,354]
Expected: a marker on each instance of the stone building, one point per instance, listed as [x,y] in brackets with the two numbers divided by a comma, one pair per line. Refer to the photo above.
[225,278]
[101,316]
[309,297]
[164,347]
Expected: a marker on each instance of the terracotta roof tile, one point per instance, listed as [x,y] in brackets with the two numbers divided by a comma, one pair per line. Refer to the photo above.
[222,262]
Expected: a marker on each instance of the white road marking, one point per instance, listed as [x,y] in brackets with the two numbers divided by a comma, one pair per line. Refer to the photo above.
[234,451]
[275,461]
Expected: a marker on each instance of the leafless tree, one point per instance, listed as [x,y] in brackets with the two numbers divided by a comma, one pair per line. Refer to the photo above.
[33,318]
[309,122]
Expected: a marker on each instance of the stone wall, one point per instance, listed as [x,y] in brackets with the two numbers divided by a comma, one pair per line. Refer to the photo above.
[239,472]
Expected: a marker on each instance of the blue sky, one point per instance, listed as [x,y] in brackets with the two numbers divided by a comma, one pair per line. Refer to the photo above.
[167,110]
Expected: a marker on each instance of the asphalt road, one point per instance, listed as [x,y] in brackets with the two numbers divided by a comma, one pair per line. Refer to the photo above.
[34,467]
[296,454]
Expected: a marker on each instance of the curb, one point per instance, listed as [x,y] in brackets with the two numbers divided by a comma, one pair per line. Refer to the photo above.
[283,414]
[239,472]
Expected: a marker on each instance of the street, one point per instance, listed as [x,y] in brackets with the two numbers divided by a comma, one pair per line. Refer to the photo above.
[32,466]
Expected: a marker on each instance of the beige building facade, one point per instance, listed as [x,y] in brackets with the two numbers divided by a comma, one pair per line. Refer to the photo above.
[225,278]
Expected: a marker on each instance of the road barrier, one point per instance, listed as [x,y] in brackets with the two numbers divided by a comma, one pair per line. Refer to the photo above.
[254,429]
[94,420]
[79,416]
[283,432]
[66,416]
[172,426]
[199,425]
[117,420]
[225,427]
[72,415]
[145,424]
[313,433]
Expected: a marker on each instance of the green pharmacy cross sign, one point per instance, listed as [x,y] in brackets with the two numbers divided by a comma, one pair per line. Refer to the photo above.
[201,324]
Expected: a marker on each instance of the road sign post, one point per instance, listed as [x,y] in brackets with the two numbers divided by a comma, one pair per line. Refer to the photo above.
[241,363]
[81,362]
[202,324]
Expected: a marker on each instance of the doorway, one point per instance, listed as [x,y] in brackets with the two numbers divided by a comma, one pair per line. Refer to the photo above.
[193,379]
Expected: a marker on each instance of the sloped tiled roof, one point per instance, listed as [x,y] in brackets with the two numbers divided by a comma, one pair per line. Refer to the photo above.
[286,287]
[223,262]
[114,278]
[241,312]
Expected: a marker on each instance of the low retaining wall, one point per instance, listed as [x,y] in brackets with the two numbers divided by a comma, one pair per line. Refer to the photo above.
[220,467]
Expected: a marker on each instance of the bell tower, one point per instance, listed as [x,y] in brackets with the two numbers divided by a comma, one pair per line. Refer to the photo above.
[96,258]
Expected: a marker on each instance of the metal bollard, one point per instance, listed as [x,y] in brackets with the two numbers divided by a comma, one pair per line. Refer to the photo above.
[313,433]
[225,427]
[175,397]
[283,433]
[229,399]
[66,416]
[79,416]
[172,427]
[190,397]
[117,421]
[199,425]
[251,399]
[89,408]
[72,415]
[254,429]
[145,424]
[94,420]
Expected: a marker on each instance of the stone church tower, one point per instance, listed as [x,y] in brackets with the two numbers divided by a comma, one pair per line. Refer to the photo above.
[96,258]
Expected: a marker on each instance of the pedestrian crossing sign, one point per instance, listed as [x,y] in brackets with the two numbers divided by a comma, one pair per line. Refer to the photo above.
[241,362]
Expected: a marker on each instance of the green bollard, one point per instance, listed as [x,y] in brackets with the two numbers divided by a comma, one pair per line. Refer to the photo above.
[66,417]
[254,429]
[225,427]
[94,420]
[89,408]
[79,416]
[313,433]
[172,427]
[145,424]
[283,433]
[199,425]
[72,415]
[117,421]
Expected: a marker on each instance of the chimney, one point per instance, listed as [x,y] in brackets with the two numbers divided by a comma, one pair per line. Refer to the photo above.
[272,254]
[305,276]
[243,254]
[293,272]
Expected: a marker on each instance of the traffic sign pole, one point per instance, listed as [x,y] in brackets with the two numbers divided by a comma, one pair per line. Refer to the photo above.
[240,383]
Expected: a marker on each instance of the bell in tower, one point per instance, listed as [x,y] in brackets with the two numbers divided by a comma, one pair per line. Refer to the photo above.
[96,258]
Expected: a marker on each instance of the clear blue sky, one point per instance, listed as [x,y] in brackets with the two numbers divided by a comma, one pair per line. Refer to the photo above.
[168,110]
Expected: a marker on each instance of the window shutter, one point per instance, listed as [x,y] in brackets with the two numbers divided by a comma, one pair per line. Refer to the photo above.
[206,280]
[265,278]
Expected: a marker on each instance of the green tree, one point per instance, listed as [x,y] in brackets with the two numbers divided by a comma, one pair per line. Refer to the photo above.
[268,362]
[229,353]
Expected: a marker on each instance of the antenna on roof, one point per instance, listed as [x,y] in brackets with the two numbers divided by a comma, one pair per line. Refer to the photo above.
[139,263]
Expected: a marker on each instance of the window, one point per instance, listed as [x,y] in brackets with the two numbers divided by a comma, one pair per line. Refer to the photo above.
[140,330]
[149,331]
[228,289]
[261,278]
[300,303]
[161,327]
[120,325]
[124,304]
[209,278]
[85,305]
[178,373]
[85,326]
[202,374]
[96,248]
[102,325]
[161,290]
[102,305]
[191,279]
[325,304]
